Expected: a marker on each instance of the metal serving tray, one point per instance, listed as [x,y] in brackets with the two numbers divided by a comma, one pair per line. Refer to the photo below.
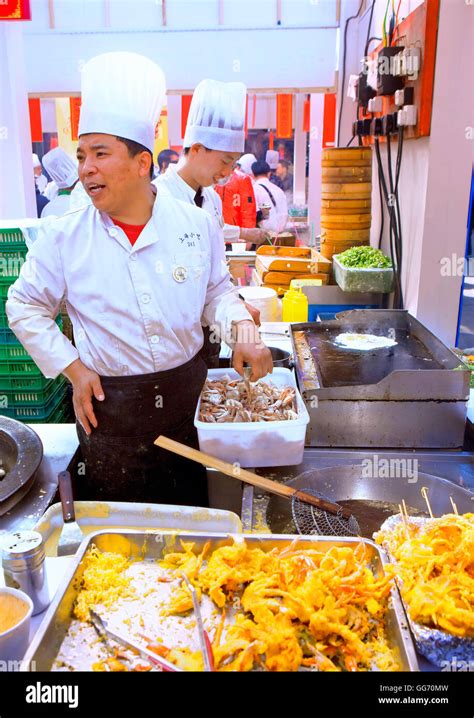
[153,545]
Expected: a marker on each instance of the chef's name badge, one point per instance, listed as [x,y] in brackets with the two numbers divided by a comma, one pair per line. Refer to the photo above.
[180,274]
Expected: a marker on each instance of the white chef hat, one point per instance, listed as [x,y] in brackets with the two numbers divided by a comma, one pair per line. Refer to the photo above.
[61,168]
[36,161]
[246,162]
[217,116]
[122,95]
[272,158]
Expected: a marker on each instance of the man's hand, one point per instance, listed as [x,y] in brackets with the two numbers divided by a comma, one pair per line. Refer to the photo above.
[254,313]
[253,235]
[249,348]
[85,384]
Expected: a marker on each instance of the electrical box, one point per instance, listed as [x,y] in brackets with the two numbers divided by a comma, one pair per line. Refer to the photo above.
[405,77]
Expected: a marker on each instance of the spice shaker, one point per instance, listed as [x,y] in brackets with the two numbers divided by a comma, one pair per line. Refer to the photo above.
[23,566]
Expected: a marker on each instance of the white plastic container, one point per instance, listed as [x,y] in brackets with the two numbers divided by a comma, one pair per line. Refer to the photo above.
[254,444]
[265,300]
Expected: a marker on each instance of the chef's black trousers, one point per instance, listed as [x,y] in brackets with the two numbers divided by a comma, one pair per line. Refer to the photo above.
[121,461]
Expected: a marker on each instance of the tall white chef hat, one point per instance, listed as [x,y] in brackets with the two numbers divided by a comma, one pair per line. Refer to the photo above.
[36,160]
[217,116]
[246,162]
[122,95]
[61,168]
[272,158]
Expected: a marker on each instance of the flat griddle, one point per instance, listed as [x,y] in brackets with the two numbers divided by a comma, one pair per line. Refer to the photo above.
[341,366]
[21,453]
[410,395]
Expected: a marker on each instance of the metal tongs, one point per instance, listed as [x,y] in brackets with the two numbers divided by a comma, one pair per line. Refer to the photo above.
[206,647]
[103,630]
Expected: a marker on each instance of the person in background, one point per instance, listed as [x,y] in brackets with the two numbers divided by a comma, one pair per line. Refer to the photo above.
[41,202]
[63,171]
[245,163]
[238,202]
[272,158]
[213,141]
[266,194]
[165,159]
[284,175]
[40,180]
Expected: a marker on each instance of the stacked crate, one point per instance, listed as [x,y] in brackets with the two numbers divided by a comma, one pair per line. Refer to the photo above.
[25,394]
[345,198]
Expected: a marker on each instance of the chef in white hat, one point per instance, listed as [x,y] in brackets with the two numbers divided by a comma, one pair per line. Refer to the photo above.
[137,270]
[214,140]
[272,158]
[245,163]
[40,180]
[63,171]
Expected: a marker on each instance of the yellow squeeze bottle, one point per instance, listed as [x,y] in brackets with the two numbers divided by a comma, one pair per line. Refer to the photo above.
[295,306]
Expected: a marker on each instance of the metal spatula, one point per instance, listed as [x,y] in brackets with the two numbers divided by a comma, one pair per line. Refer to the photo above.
[71,534]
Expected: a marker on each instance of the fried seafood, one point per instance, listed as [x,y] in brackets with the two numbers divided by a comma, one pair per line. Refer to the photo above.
[225,400]
[434,562]
[296,608]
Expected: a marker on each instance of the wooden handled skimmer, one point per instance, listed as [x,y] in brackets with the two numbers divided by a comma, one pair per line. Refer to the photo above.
[273,487]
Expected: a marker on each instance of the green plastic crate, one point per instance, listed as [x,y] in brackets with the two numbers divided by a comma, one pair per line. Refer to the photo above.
[60,415]
[29,397]
[23,383]
[10,346]
[37,413]
[10,266]
[11,239]
[26,367]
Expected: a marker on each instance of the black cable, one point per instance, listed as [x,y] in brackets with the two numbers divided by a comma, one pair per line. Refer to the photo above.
[396,217]
[397,297]
[397,214]
[379,39]
[382,213]
[368,28]
[353,17]
[350,141]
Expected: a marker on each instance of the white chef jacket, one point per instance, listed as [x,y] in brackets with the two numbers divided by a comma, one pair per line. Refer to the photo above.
[173,183]
[134,310]
[57,206]
[51,190]
[278,218]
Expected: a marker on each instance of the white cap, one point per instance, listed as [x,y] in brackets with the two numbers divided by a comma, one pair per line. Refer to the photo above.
[122,95]
[217,116]
[36,161]
[246,162]
[272,158]
[61,168]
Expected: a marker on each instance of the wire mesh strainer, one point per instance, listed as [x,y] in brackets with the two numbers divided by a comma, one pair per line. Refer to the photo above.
[309,519]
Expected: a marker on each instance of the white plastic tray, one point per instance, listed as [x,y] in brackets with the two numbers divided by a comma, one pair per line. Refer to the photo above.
[273,443]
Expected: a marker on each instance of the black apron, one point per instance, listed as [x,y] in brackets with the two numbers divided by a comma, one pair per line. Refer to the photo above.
[121,461]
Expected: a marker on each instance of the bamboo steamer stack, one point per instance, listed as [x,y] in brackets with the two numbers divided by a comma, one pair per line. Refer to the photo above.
[345,198]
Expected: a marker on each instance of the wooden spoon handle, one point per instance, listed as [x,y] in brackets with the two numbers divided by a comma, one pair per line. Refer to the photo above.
[236,472]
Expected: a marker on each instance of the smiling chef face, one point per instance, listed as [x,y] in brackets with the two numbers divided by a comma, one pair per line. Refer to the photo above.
[110,174]
[210,166]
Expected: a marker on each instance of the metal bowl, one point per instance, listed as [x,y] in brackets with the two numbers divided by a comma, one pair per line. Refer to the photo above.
[21,453]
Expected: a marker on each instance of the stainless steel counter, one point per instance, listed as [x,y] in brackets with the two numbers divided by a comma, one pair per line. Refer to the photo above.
[59,445]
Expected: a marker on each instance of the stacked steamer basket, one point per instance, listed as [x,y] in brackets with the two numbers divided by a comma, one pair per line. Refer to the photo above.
[25,394]
[346,198]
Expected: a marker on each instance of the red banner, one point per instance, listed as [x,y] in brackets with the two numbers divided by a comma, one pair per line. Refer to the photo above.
[15,10]
[307,115]
[246,125]
[271,140]
[185,105]
[284,123]
[329,120]
[75,110]
[35,120]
